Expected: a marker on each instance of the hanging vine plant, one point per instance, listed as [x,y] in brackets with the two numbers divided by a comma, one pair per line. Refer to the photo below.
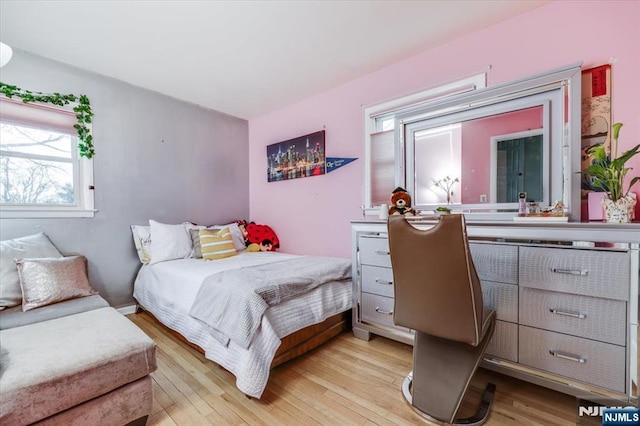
[82,111]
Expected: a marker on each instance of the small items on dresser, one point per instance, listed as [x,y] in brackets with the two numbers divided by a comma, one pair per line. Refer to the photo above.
[536,213]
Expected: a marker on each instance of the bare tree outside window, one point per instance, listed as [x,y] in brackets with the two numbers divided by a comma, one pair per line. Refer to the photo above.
[36,166]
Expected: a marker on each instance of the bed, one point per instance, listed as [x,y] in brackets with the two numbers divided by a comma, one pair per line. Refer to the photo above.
[170,290]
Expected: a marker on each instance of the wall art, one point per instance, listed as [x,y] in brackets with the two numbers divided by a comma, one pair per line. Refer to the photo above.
[301,157]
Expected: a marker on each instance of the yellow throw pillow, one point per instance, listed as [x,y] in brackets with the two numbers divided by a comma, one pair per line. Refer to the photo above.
[216,244]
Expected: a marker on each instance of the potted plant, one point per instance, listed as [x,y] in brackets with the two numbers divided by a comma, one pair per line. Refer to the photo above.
[607,173]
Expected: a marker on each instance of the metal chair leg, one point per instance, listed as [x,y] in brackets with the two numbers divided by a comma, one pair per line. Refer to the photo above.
[477,419]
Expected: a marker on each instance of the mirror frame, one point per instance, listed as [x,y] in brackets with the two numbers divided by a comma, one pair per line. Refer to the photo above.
[564,139]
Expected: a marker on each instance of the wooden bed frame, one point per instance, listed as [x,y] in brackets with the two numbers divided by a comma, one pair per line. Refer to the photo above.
[294,344]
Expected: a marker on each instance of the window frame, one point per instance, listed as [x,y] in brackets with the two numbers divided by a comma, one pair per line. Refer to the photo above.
[82,176]
[374,115]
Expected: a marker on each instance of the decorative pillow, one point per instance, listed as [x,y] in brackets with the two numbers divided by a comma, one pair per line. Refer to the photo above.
[168,242]
[37,245]
[216,244]
[195,241]
[142,240]
[50,280]
[236,234]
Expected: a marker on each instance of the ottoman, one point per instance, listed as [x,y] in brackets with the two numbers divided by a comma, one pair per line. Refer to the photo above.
[88,368]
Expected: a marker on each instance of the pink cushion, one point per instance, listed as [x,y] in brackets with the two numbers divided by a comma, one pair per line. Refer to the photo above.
[51,366]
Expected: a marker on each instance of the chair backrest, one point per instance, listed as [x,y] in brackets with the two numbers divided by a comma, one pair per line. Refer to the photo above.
[437,290]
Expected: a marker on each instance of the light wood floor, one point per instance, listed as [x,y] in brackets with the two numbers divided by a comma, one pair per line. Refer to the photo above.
[345,381]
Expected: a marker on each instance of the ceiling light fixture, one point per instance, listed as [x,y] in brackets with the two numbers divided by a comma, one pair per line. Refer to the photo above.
[5,54]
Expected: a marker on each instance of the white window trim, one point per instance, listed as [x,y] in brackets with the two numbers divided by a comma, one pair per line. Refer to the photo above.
[84,192]
[396,107]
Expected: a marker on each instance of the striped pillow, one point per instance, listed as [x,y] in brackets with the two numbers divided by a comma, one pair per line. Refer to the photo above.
[216,244]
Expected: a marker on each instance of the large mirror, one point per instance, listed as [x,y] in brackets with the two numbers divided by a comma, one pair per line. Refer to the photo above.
[477,152]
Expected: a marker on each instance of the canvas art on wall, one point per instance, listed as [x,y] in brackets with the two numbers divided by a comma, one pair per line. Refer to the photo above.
[596,125]
[596,115]
[301,157]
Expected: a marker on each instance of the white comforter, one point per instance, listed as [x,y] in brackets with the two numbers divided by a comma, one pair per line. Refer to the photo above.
[169,289]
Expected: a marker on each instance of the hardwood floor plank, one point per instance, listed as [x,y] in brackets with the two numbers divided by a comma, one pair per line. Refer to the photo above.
[288,402]
[185,384]
[370,398]
[183,413]
[161,418]
[312,395]
[343,382]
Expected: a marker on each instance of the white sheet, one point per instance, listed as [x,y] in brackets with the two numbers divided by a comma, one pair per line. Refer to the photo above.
[168,289]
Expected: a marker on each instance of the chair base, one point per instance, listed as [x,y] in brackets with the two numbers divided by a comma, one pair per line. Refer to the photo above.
[477,419]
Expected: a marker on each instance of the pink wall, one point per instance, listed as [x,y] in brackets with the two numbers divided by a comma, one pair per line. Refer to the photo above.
[312,215]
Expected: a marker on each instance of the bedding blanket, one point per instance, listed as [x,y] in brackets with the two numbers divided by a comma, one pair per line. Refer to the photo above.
[231,303]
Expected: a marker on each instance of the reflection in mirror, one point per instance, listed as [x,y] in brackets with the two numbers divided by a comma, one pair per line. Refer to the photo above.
[438,152]
[516,161]
[484,160]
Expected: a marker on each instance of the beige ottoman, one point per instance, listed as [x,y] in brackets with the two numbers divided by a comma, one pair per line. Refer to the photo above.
[87,368]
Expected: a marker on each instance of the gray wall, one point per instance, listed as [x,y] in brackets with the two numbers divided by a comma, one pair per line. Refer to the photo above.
[156,158]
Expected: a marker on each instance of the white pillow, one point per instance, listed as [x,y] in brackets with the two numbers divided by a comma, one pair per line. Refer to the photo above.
[37,245]
[236,234]
[142,240]
[169,242]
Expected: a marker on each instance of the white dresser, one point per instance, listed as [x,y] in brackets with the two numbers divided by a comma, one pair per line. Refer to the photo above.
[565,295]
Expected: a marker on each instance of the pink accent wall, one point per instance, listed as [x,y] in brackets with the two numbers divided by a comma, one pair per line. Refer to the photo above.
[312,215]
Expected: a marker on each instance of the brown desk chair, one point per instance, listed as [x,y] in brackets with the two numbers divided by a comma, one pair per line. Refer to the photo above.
[438,295]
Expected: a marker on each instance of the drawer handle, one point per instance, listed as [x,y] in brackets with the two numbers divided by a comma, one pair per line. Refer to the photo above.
[568,314]
[382,252]
[581,272]
[380,281]
[568,356]
[380,311]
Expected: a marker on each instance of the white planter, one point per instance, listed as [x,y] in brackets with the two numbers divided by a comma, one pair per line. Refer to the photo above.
[620,211]
[595,204]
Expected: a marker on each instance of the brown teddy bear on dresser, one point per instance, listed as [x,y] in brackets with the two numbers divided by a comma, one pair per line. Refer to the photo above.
[401,203]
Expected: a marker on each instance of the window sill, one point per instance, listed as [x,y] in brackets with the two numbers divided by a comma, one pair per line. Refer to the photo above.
[24,213]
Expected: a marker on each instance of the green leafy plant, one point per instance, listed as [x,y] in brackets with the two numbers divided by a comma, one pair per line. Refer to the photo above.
[607,172]
[82,111]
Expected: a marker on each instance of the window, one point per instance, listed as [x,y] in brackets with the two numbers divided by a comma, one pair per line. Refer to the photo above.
[384,149]
[41,173]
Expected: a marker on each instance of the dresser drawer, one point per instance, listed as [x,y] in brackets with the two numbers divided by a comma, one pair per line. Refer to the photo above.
[495,262]
[587,272]
[374,251]
[504,342]
[502,298]
[379,310]
[588,361]
[377,280]
[583,316]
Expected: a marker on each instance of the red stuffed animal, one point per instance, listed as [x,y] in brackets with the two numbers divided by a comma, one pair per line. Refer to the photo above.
[263,236]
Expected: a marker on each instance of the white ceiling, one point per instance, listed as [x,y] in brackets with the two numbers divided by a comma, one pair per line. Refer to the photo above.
[243,58]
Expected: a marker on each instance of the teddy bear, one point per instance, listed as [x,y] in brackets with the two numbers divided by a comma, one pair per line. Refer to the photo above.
[401,203]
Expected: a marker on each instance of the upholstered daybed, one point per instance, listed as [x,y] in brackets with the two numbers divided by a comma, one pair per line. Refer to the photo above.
[74,362]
